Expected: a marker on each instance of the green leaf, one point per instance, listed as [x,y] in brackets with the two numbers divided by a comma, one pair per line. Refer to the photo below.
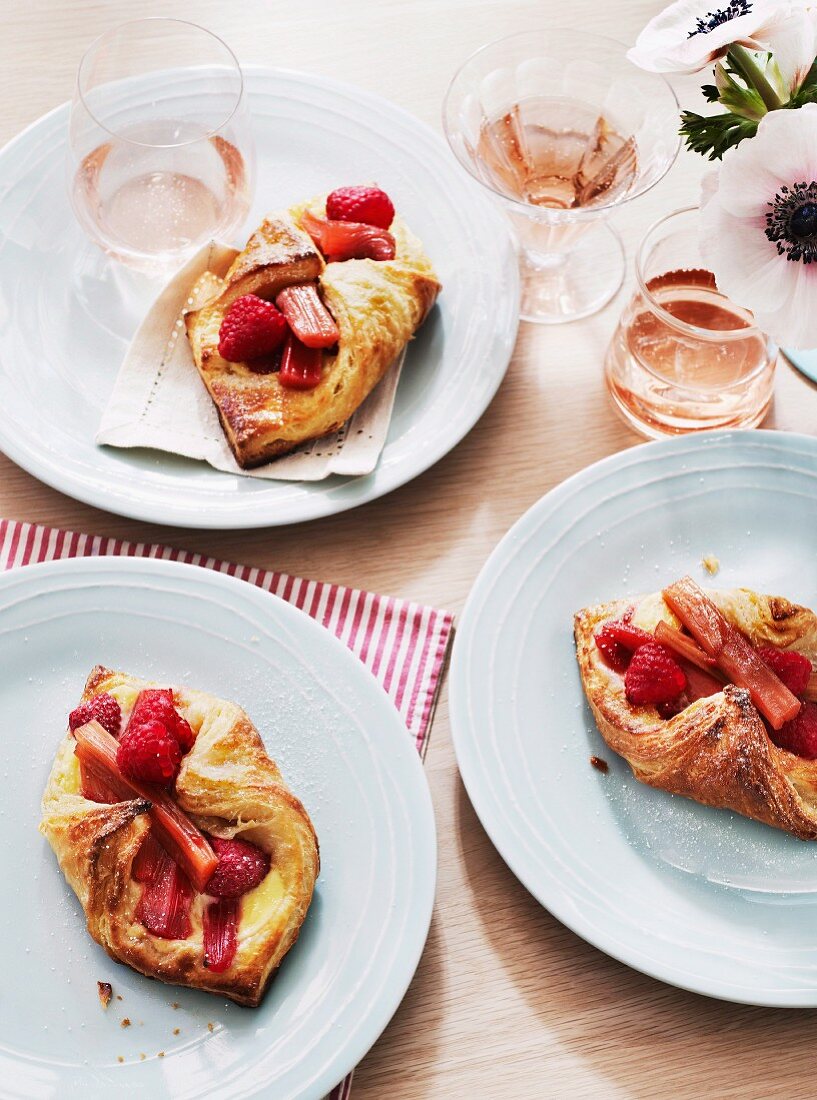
[744,102]
[712,135]
[710,92]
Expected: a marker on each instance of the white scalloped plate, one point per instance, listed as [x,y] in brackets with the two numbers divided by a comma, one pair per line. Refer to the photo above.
[698,897]
[342,748]
[67,312]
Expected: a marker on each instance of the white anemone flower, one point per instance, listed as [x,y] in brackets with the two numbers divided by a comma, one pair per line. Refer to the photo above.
[691,34]
[759,227]
[792,41]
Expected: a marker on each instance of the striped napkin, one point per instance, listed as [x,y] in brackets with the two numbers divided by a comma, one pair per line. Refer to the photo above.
[403,644]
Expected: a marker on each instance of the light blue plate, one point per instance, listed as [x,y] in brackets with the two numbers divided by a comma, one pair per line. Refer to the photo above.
[342,748]
[63,337]
[804,361]
[698,897]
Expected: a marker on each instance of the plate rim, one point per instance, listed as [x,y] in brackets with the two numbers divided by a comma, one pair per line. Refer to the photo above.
[556,901]
[372,1016]
[317,505]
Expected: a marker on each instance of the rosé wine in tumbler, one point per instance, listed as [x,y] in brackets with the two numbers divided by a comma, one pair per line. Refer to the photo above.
[161,157]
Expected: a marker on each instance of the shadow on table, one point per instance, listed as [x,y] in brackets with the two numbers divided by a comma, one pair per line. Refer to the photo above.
[644,1037]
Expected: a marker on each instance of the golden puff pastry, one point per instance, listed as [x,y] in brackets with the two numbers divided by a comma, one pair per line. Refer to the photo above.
[717,749]
[230,788]
[377,305]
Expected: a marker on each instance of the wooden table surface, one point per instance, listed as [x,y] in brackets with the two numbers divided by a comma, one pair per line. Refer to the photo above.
[506,1001]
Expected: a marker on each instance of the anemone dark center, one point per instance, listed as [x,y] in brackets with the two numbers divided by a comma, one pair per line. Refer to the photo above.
[717,18]
[791,222]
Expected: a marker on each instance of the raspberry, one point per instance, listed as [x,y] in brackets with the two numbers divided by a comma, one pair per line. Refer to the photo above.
[157,705]
[241,867]
[103,707]
[184,734]
[149,752]
[251,328]
[653,676]
[617,640]
[800,734]
[792,668]
[613,652]
[369,205]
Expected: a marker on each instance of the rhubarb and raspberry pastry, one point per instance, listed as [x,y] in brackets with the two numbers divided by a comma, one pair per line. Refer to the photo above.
[194,862]
[308,319]
[711,695]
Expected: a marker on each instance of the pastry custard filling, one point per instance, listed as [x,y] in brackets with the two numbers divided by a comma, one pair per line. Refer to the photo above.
[117,759]
[671,666]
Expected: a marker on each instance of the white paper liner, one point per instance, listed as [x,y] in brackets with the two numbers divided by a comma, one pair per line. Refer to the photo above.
[160,401]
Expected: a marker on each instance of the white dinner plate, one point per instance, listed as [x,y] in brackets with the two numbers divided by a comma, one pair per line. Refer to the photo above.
[341,747]
[698,897]
[67,312]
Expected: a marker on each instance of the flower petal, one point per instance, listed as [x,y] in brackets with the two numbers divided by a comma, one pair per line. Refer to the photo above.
[669,43]
[791,37]
[794,324]
[745,262]
[783,152]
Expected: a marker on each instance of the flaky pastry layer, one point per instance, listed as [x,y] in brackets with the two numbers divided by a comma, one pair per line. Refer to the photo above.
[377,305]
[230,787]
[716,751]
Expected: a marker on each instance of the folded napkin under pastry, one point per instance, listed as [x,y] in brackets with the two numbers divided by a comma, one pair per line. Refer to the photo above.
[159,400]
[403,644]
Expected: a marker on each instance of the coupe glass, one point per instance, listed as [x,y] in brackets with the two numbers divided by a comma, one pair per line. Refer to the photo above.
[160,151]
[562,129]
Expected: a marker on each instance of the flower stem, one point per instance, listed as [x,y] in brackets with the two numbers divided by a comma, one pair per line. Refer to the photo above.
[744,63]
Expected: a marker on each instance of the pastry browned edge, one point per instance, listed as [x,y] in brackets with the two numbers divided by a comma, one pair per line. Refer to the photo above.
[717,750]
[378,305]
[229,787]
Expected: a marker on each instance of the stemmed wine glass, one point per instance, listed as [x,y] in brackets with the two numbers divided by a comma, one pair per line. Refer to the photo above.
[160,150]
[563,130]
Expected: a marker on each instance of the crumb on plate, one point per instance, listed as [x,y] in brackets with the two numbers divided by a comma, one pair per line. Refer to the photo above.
[124,1022]
[710,564]
[119,1058]
[599,764]
[105,992]
[161,1054]
[210,1025]
[176,1030]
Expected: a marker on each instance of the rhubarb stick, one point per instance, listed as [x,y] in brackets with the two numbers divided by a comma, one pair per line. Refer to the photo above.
[732,652]
[96,750]
[301,367]
[700,685]
[220,934]
[307,316]
[164,907]
[683,645]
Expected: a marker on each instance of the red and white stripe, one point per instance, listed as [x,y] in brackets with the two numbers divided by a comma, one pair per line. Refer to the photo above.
[403,644]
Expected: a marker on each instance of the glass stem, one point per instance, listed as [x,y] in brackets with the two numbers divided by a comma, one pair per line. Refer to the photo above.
[744,63]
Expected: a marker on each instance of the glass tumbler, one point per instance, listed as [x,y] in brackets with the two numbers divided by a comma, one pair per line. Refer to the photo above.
[684,358]
[160,150]
[562,129]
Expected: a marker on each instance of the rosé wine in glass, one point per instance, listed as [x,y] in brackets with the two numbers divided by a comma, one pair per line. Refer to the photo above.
[684,357]
[562,129]
[161,158]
